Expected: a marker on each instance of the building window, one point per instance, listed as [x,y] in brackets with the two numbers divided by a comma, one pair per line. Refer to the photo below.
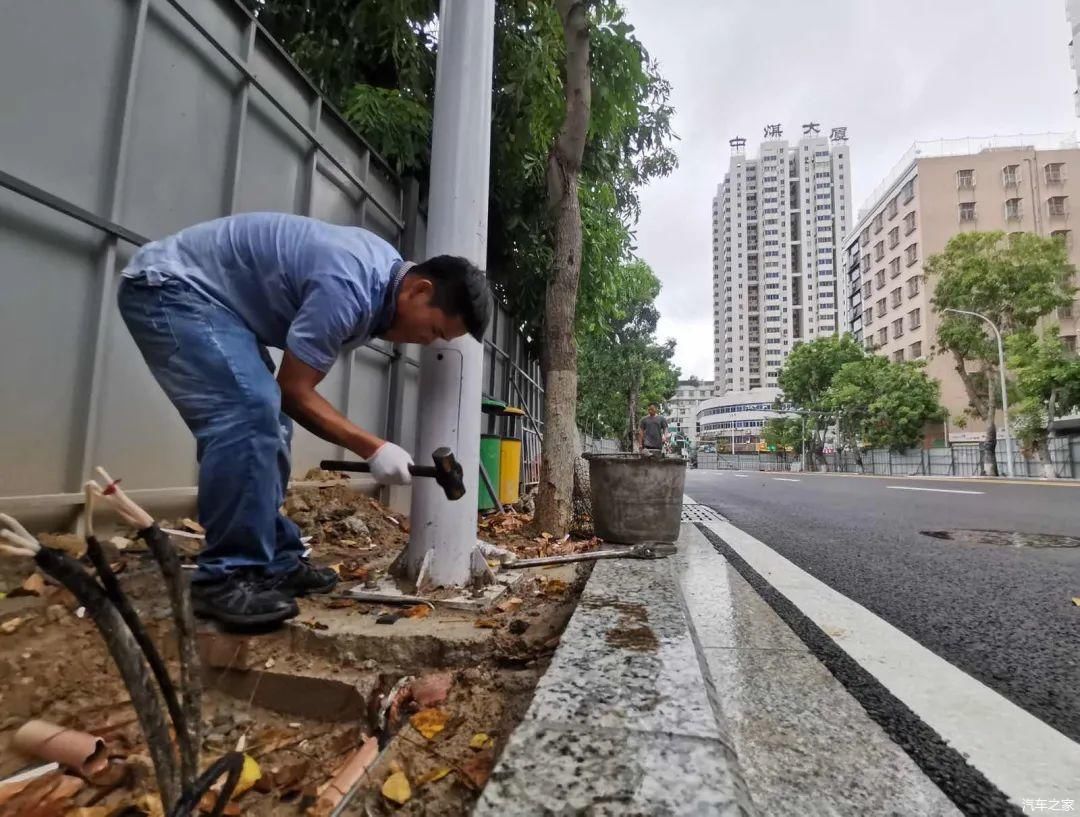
[907,192]
[898,356]
[1070,342]
[1010,175]
[1055,173]
[1065,311]
[911,254]
[879,250]
[898,328]
[1064,236]
[879,222]
[967,211]
[909,223]
[866,263]
[965,179]
[879,278]
[914,319]
[882,336]
[866,290]
[1013,210]
[894,267]
[913,286]
[880,307]
[868,316]
[894,237]
[916,350]
[895,297]
[1057,205]
[864,237]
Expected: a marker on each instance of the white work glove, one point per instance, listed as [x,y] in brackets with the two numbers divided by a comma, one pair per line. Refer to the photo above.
[390,465]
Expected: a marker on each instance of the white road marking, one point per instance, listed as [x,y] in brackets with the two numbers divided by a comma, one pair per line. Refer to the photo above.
[932,490]
[1016,751]
[743,476]
[785,479]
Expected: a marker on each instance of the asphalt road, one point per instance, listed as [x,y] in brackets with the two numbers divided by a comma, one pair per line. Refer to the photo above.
[1001,613]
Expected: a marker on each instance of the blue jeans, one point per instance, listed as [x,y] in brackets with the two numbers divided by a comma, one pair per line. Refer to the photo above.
[220,378]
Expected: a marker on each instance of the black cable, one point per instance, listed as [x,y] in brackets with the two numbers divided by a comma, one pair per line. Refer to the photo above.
[142,638]
[231,763]
[128,657]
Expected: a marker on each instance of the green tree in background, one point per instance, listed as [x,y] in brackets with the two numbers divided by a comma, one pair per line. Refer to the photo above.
[1013,281]
[1047,386]
[807,375]
[783,434]
[881,404]
[623,367]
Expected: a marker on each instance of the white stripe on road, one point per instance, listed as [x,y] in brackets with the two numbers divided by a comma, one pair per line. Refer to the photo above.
[931,490]
[785,479]
[744,476]
[1016,751]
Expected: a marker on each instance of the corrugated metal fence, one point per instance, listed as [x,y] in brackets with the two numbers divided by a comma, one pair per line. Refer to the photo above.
[128,119]
[953,461]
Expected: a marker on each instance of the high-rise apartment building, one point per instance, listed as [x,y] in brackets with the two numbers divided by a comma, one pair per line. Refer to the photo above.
[778,225]
[938,189]
[1072,13]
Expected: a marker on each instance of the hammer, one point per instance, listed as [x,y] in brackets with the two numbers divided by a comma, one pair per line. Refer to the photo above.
[446,471]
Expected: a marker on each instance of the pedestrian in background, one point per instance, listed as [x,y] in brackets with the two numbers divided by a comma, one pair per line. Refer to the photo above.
[652,432]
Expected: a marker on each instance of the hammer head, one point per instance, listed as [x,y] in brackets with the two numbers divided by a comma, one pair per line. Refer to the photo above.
[448,473]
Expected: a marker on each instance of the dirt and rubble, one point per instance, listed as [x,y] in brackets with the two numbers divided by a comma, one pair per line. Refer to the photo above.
[299,700]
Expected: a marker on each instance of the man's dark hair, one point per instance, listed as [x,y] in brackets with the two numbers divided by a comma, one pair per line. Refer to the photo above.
[459,289]
[653,405]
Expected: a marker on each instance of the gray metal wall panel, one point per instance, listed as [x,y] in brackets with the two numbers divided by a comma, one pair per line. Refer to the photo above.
[179,153]
[272,163]
[62,131]
[47,265]
[61,66]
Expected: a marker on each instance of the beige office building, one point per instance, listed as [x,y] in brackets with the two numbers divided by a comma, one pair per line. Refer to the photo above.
[939,189]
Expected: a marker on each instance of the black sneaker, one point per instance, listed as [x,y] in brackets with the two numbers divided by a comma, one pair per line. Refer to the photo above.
[305,579]
[242,599]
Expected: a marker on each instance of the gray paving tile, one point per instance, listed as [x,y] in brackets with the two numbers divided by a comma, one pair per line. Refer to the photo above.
[806,747]
[725,610]
[611,773]
[625,663]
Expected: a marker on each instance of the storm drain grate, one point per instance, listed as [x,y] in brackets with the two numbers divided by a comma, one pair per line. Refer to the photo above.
[700,513]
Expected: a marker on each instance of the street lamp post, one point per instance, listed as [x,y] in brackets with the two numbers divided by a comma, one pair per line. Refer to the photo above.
[1004,389]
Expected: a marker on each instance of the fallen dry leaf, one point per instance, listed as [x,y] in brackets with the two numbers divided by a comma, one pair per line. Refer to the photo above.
[269,663]
[34,585]
[396,788]
[510,605]
[432,776]
[1076,600]
[88,811]
[418,611]
[486,624]
[429,722]
[481,740]
[477,769]
[11,625]
[192,525]
[552,587]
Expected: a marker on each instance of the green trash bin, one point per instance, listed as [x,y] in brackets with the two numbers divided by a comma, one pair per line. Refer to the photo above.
[490,453]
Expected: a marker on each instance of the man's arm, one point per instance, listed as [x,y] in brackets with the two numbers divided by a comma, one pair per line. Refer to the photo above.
[315,413]
[641,434]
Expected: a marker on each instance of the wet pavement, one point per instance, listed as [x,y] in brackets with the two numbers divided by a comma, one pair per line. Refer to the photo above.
[1003,613]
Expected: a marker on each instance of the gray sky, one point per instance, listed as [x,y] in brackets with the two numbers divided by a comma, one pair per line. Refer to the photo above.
[892,72]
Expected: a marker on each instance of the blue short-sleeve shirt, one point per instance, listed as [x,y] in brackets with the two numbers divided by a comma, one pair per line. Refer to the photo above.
[298,283]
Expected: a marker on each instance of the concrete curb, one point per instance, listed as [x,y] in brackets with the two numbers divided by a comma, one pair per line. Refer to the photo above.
[624,721]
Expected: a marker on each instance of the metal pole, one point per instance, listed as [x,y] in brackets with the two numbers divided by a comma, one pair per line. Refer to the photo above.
[443,535]
[1004,386]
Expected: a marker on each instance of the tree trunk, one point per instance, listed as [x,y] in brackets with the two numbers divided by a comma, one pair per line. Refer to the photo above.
[632,413]
[554,506]
[990,448]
